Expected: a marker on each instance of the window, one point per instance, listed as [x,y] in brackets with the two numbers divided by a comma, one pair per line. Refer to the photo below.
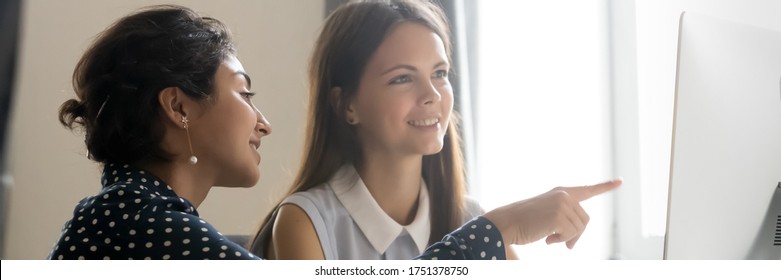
[543,110]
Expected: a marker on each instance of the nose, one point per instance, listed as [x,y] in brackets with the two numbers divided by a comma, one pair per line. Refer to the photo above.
[263,125]
[430,94]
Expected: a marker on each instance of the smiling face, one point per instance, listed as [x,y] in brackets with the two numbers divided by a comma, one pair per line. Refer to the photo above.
[227,136]
[404,98]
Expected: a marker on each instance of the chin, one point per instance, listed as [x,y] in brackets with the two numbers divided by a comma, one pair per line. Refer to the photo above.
[252,181]
[432,150]
[250,174]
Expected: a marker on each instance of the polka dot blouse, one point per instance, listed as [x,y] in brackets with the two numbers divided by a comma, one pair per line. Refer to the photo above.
[478,239]
[138,216]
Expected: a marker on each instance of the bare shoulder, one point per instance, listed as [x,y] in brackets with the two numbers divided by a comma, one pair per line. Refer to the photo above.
[294,236]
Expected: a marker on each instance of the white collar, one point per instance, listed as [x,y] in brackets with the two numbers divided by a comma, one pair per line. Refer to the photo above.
[379,228]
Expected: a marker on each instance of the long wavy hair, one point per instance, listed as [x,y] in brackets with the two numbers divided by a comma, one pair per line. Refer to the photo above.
[351,34]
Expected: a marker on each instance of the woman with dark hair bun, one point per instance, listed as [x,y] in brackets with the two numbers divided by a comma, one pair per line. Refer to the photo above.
[167,110]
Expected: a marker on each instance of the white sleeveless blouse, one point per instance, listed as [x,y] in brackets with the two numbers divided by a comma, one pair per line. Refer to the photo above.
[351,225]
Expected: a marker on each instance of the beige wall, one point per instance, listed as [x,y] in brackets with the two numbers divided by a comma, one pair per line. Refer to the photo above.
[47,162]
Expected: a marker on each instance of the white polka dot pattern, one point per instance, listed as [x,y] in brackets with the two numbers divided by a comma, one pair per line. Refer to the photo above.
[125,221]
[470,242]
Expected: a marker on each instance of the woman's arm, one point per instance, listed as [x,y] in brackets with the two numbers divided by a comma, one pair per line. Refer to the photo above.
[294,236]
[555,215]
[509,251]
[478,239]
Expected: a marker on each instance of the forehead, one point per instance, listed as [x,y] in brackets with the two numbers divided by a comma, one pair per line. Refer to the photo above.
[231,69]
[409,43]
[232,64]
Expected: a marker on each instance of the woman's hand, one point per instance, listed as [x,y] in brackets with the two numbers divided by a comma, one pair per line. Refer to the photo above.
[556,215]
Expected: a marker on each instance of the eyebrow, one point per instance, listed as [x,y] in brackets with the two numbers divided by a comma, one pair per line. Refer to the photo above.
[246,77]
[411,68]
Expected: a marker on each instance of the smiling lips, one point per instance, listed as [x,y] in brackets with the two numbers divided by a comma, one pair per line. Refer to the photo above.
[424,122]
[255,144]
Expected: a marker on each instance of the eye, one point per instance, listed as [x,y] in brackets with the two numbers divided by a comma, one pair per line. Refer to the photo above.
[248,94]
[441,74]
[400,79]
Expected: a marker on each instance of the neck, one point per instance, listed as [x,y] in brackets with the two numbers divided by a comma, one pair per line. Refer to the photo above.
[185,179]
[394,182]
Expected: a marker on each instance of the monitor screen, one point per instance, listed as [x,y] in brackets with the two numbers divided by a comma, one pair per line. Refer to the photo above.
[725,169]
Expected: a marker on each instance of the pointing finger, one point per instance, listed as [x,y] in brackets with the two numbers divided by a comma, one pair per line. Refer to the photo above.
[586,192]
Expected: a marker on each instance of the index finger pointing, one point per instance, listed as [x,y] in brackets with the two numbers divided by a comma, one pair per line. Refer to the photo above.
[586,192]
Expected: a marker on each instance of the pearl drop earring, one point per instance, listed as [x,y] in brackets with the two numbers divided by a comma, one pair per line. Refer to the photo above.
[186,124]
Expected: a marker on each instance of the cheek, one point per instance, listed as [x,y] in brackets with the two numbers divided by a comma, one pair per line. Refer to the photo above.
[447,98]
[395,112]
[239,122]
[372,109]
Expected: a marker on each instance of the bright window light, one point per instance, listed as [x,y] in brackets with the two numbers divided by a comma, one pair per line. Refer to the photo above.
[543,111]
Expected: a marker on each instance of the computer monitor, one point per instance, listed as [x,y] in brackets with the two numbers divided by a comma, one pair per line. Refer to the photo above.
[725,170]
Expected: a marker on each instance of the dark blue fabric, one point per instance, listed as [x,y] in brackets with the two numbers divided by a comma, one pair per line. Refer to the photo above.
[138,216]
[479,239]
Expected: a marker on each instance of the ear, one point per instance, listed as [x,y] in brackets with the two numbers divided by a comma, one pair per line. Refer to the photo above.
[343,109]
[174,104]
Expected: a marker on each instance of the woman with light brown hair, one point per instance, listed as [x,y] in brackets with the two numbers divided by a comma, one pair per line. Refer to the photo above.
[382,175]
